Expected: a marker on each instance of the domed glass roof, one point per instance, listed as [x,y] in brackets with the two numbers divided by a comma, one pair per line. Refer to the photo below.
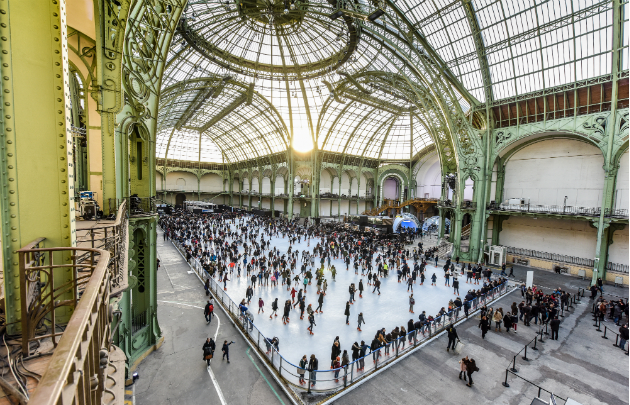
[303,73]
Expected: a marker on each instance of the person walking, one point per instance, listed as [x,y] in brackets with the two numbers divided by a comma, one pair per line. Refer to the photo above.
[347,313]
[555,327]
[452,337]
[463,363]
[208,350]
[471,367]
[498,318]
[226,350]
[623,336]
[483,324]
[360,321]
[207,311]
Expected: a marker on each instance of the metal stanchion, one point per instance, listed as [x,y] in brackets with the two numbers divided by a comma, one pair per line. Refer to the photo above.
[599,324]
[525,356]
[505,383]
[513,369]
[535,340]
[605,330]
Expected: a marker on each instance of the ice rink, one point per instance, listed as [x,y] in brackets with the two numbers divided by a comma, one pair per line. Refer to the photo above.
[388,310]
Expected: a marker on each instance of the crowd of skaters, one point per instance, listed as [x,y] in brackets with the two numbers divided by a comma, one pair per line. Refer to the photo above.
[214,240]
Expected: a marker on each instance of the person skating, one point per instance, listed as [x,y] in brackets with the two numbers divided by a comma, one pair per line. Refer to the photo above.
[274,308]
[433,279]
[362,355]
[452,337]
[320,301]
[455,286]
[412,302]
[302,306]
[285,314]
[313,364]
[347,313]
[208,350]
[360,321]
[336,366]
[356,350]
[261,305]
[377,285]
[311,320]
[361,288]
[299,298]
[351,290]
[226,350]
[302,369]
[335,351]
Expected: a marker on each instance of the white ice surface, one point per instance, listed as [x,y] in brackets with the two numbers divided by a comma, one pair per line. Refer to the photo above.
[388,310]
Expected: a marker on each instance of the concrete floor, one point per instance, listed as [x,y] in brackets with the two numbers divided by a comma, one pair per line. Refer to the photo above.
[176,373]
[580,365]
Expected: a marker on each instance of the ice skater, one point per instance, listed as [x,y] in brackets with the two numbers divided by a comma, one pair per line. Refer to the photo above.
[347,313]
[409,284]
[261,305]
[412,302]
[377,285]
[274,308]
[433,279]
[285,314]
[320,301]
[360,321]
[361,288]
[311,321]
[302,369]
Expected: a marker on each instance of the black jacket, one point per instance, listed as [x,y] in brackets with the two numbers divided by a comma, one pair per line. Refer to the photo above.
[208,347]
[452,333]
[554,324]
[335,351]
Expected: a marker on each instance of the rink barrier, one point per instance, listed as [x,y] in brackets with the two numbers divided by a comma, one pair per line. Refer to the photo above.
[334,380]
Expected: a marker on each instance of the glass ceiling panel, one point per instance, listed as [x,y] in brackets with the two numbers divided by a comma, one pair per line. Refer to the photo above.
[529,45]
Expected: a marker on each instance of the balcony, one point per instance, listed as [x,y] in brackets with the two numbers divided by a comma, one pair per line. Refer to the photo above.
[446,204]
[559,210]
[137,206]
[83,366]
[468,205]
[111,236]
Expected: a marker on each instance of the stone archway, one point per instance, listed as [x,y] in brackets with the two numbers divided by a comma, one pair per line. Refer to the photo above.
[179,200]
